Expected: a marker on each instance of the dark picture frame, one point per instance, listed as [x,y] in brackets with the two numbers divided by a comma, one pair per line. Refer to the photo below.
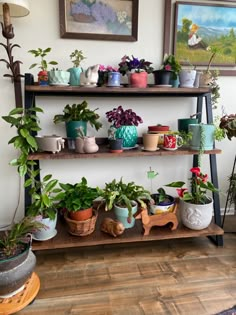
[169,32]
[115,20]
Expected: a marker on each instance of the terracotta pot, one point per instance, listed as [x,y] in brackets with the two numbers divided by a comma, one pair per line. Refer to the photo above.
[138,79]
[158,128]
[81,215]
[150,141]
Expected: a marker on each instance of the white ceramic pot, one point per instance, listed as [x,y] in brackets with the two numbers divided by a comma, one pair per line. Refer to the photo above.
[48,232]
[52,144]
[196,217]
[187,78]
[58,77]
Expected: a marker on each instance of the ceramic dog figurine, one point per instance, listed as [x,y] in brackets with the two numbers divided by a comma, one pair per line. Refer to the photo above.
[112,227]
[89,78]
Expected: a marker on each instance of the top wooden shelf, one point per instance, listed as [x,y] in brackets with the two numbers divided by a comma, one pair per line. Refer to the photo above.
[116,91]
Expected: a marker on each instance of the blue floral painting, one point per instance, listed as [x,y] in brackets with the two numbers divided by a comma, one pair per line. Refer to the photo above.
[109,17]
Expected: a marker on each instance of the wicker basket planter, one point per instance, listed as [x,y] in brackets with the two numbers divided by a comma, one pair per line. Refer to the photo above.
[82,228]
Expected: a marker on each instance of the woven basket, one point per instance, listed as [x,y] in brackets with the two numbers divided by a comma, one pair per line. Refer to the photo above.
[82,228]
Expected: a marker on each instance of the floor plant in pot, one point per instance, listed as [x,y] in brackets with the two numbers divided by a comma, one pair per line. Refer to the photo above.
[126,122]
[196,207]
[76,202]
[17,261]
[136,69]
[125,198]
[77,115]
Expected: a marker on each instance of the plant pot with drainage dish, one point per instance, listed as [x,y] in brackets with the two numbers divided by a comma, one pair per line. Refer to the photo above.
[162,202]
[75,116]
[17,261]
[77,200]
[43,207]
[124,198]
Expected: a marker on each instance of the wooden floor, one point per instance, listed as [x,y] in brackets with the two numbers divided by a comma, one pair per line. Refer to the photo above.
[181,276]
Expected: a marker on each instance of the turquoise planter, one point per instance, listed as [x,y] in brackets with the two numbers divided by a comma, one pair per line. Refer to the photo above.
[75,76]
[71,126]
[129,134]
[122,215]
[202,137]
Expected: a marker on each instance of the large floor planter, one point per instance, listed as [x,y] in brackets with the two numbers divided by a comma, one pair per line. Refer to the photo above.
[196,217]
[122,215]
[15,271]
[129,134]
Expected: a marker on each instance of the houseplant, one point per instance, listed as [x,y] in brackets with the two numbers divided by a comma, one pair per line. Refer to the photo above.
[43,64]
[162,202]
[196,206]
[137,69]
[125,121]
[76,57]
[17,261]
[104,75]
[77,115]
[115,144]
[228,125]
[43,208]
[168,72]
[125,198]
[76,201]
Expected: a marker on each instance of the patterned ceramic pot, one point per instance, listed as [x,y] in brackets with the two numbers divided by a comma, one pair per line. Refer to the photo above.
[129,135]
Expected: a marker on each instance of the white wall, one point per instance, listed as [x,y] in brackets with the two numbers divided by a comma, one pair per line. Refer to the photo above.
[41,29]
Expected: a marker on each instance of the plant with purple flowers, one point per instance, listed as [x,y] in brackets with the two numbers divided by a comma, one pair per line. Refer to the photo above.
[120,117]
[133,64]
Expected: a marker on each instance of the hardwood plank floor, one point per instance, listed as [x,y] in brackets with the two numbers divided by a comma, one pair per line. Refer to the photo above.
[180,277]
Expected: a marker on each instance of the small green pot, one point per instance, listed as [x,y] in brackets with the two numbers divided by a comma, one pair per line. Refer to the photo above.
[183,123]
[122,215]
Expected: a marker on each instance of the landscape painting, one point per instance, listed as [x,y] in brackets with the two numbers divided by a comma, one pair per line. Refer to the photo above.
[199,28]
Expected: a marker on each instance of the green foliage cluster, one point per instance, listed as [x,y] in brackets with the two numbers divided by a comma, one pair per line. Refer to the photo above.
[78,196]
[123,195]
[77,112]
[15,239]
[76,57]
[43,65]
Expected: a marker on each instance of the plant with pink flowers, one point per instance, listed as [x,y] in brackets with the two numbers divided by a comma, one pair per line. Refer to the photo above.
[170,63]
[103,74]
[199,187]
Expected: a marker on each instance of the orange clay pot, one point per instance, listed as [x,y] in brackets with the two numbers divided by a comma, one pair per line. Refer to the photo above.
[81,215]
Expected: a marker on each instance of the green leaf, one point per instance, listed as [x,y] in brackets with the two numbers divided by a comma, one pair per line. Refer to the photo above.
[24,132]
[31,140]
[47,177]
[176,184]
[22,170]
[16,111]
[46,200]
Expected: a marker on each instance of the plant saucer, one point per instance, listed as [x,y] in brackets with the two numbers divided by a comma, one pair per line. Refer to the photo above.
[150,150]
[54,233]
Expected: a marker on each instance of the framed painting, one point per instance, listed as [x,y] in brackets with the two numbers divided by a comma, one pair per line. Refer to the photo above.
[115,20]
[193,28]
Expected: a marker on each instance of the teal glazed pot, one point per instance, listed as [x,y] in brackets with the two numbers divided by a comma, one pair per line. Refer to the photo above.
[75,76]
[122,215]
[202,136]
[71,127]
[129,134]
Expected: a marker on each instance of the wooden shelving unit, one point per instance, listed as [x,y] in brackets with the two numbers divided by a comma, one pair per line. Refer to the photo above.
[63,239]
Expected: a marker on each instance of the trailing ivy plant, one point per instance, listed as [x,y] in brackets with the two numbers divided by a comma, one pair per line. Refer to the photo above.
[25,121]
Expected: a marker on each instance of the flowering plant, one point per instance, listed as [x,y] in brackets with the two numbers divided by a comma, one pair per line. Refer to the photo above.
[134,65]
[103,74]
[120,117]
[199,187]
[170,63]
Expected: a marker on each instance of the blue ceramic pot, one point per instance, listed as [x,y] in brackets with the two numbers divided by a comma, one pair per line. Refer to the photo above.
[113,79]
[122,215]
[202,136]
[75,76]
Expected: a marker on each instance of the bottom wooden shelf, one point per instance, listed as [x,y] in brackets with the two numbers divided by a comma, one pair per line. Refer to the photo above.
[64,240]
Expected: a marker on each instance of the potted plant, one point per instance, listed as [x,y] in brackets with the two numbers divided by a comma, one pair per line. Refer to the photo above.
[76,57]
[228,125]
[85,144]
[196,207]
[43,65]
[125,198]
[76,202]
[77,115]
[137,69]
[17,261]
[108,76]
[58,77]
[162,202]
[125,121]
[43,207]
[168,72]
[115,144]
